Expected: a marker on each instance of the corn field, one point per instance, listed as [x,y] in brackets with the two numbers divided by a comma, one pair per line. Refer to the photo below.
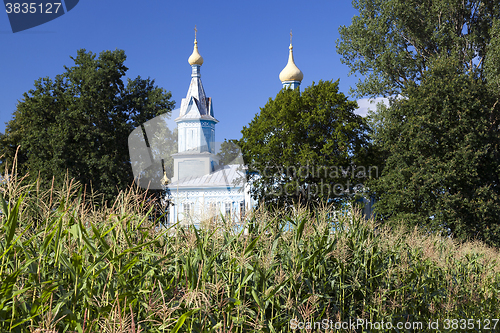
[69,264]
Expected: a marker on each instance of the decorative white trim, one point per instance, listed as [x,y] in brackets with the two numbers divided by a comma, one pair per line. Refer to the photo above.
[195,123]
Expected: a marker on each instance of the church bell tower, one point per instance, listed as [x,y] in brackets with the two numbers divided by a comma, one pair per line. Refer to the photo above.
[196,127]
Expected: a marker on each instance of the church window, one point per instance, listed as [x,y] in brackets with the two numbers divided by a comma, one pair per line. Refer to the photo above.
[242,209]
[212,142]
[187,208]
[228,209]
[192,138]
[181,140]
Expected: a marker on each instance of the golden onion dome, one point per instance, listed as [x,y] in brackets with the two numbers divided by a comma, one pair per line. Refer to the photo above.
[195,58]
[291,72]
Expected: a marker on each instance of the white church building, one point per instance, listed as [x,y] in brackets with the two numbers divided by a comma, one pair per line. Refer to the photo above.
[201,188]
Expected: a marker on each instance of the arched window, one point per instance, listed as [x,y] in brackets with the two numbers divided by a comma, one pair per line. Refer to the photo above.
[228,209]
[188,208]
[242,209]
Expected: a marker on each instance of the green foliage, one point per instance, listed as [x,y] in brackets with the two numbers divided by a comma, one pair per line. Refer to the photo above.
[229,152]
[169,140]
[439,63]
[391,43]
[85,269]
[492,68]
[306,147]
[78,123]
[443,166]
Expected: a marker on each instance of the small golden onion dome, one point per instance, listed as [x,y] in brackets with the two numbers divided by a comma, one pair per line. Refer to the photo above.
[165,180]
[195,58]
[291,72]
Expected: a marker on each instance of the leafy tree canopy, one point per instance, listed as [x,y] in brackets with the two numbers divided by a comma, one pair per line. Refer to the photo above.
[229,152]
[306,147]
[392,42]
[78,123]
[440,138]
[443,166]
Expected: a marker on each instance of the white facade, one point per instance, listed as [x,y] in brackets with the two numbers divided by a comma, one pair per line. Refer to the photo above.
[202,189]
[196,199]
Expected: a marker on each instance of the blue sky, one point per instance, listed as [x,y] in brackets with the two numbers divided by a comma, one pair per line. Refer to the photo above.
[244,45]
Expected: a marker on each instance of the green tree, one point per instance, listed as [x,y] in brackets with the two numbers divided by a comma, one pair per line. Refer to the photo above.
[78,123]
[443,166]
[441,136]
[229,152]
[392,42]
[306,147]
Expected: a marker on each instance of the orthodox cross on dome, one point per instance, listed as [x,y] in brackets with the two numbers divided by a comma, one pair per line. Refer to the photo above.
[195,58]
[291,75]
